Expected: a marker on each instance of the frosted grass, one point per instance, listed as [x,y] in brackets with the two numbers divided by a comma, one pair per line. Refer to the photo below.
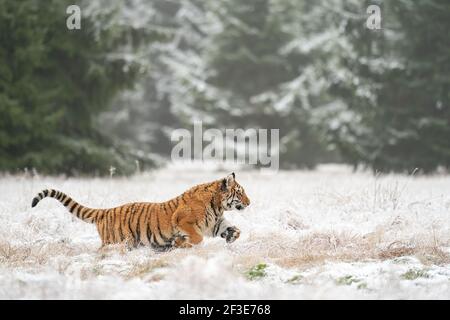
[322,234]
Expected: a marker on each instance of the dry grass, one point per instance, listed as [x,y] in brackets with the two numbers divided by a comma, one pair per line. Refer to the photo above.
[308,251]
[316,220]
[35,254]
[317,248]
[142,270]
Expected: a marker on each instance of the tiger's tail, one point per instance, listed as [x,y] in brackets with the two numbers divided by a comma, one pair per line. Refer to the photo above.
[84,213]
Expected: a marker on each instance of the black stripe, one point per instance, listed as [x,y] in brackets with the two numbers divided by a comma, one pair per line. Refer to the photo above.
[121,238]
[91,214]
[73,206]
[88,214]
[120,217]
[206,218]
[78,210]
[207,212]
[122,221]
[127,218]
[149,234]
[130,218]
[158,229]
[95,215]
[109,226]
[123,217]
[217,227]
[105,227]
[146,226]
[82,212]
[130,221]
[46,192]
[215,212]
[163,237]
[230,199]
[153,240]
[233,194]
[138,227]
[67,201]
[170,206]
[52,194]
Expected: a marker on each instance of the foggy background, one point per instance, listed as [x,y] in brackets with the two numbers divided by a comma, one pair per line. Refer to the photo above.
[110,94]
[104,100]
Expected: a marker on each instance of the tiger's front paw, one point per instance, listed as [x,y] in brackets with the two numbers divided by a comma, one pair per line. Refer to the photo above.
[181,241]
[231,234]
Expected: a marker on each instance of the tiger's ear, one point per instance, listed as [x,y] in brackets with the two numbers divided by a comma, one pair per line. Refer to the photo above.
[226,183]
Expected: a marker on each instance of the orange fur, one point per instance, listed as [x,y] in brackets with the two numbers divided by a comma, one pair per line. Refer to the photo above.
[180,222]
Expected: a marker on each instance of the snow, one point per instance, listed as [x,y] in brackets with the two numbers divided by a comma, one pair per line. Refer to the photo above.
[322,234]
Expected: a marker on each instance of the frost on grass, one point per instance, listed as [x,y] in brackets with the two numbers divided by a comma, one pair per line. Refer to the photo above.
[307,235]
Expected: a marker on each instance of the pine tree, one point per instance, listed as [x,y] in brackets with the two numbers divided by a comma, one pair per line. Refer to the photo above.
[54,82]
[399,92]
[142,117]
[241,79]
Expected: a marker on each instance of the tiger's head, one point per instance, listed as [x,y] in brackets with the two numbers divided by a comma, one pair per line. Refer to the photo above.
[233,195]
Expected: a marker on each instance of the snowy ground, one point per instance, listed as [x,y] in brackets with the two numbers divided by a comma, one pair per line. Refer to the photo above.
[307,235]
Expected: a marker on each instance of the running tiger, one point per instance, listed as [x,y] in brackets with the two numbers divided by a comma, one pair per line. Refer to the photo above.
[180,222]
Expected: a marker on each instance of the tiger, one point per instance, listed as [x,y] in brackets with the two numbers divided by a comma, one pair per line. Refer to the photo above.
[180,222]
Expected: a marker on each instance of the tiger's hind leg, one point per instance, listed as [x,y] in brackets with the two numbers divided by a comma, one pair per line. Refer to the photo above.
[102,232]
[130,243]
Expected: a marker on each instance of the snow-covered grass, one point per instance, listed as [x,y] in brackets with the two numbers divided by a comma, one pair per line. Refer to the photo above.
[323,234]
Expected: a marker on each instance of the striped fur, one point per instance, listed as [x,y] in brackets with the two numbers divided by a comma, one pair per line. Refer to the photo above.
[179,222]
